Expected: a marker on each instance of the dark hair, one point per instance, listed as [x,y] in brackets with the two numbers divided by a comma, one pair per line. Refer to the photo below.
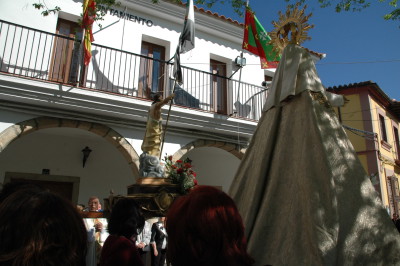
[156,98]
[16,185]
[126,218]
[38,228]
[205,228]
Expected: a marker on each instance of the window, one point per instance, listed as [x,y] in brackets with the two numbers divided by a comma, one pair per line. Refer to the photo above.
[152,67]
[267,78]
[396,141]
[383,128]
[393,194]
[65,63]
[218,93]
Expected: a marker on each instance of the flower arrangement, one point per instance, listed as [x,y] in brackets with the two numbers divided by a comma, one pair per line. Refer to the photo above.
[181,173]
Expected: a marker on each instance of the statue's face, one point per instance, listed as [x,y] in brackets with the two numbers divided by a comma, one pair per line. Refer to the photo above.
[157,98]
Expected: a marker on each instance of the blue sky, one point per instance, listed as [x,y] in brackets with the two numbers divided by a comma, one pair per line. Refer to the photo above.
[359,45]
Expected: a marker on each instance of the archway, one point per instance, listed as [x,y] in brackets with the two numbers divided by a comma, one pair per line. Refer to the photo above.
[29,126]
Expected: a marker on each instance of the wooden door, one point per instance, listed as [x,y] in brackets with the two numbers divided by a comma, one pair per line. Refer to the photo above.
[151,75]
[218,87]
[66,53]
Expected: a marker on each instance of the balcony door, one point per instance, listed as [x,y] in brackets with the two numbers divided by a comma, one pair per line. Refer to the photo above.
[218,87]
[66,53]
[152,68]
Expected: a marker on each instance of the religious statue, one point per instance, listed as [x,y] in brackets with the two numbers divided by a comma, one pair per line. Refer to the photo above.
[149,160]
[302,192]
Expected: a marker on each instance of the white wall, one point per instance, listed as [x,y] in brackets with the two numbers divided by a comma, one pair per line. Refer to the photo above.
[115,29]
[214,166]
[9,118]
[22,12]
[60,150]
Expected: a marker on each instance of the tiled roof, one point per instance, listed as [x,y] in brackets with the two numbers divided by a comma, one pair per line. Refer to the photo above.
[210,13]
[352,85]
[371,84]
[215,14]
[337,89]
[391,104]
[319,55]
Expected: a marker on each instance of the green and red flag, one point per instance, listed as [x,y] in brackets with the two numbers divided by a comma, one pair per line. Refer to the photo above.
[256,41]
[89,14]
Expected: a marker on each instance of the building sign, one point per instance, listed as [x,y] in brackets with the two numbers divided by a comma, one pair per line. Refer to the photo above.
[127,16]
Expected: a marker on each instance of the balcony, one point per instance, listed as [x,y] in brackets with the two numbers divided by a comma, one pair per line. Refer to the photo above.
[39,55]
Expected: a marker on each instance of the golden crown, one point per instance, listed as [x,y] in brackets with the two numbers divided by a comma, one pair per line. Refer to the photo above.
[292,27]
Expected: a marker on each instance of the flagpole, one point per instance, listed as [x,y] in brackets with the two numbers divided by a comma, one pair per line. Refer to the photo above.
[185,44]
[166,122]
[241,56]
[123,29]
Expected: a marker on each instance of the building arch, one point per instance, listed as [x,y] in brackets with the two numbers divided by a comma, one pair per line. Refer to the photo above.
[29,126]
[234,149]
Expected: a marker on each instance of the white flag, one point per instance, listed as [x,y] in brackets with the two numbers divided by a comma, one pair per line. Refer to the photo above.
[186,40]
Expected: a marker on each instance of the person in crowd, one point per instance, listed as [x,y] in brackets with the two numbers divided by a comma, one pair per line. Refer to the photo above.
[80,207]
[143,241]
[158,242]
[39,228]
[96,227]
[94,204]
[125,223]
[205,229]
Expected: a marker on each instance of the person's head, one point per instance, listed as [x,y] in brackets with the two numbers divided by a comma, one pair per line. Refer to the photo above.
[12,187]
[93,204]
[205,228]
[38,227]
[157,98]
[126,218]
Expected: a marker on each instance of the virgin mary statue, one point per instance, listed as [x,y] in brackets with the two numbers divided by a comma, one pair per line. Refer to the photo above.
[303,194]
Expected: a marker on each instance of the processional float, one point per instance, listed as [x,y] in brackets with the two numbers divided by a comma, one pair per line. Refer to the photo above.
[303,194]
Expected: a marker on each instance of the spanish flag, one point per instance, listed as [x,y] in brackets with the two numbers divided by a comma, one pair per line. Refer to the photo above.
[256,41]
[89,14]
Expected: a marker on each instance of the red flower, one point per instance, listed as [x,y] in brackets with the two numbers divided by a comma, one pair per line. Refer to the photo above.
[174,166]
[195,182]
[179,161]
[179,171]
[194,174]
[170,157]
[187,165]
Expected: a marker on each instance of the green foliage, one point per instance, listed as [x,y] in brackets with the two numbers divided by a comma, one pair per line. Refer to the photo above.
[99,12]
[238,6]
[355,5]
[394,15]
[46,10]
[338,5]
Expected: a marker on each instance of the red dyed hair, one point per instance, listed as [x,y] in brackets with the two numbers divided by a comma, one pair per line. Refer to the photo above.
[205,228]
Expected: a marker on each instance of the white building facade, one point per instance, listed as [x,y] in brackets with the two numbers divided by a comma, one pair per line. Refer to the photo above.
[52,107]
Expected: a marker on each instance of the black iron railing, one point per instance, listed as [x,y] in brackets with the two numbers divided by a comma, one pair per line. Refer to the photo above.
[50,57]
